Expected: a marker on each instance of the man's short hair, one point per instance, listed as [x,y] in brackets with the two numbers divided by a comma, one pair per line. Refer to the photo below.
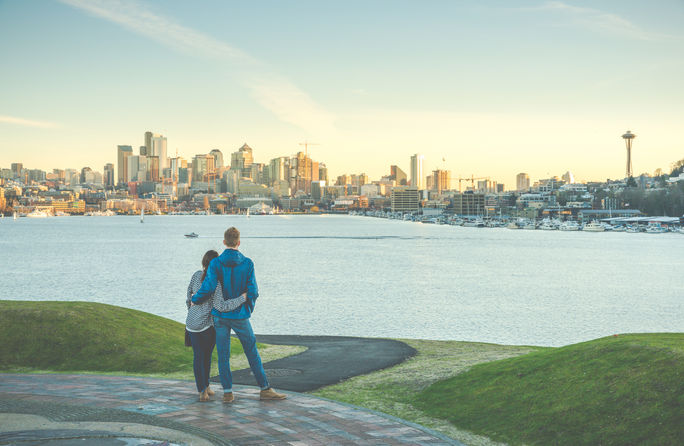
[232,236]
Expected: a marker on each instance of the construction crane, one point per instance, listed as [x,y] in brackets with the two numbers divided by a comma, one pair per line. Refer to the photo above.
[306,145]
[471,179]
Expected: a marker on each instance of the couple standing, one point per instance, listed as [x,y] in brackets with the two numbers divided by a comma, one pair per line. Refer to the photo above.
[221,298]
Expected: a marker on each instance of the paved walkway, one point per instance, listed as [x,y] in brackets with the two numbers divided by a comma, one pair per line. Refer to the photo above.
[327,360]
[171,404]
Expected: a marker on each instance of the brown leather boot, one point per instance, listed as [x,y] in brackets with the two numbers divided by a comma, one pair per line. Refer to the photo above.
[271,395]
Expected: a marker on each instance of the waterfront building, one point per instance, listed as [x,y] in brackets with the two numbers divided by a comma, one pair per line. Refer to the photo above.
[122,154]
[522,182]
[405,199]
[156,146]
[469,203]
[3,202]
[398,175]
[417,175]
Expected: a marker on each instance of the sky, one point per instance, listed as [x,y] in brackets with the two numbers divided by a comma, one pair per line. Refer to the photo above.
[483,88]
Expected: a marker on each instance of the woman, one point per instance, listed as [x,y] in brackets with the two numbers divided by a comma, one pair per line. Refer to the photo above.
[201,328]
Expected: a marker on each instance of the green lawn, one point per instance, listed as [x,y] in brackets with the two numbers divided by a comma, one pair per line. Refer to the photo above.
[624,390]
[92,337]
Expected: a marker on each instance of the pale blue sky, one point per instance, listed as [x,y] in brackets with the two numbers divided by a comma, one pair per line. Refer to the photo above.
[495,88]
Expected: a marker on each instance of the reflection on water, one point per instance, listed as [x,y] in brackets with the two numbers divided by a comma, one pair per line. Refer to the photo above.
[359,276]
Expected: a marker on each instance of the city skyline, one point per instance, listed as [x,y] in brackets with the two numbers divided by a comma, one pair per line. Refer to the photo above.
[489,89]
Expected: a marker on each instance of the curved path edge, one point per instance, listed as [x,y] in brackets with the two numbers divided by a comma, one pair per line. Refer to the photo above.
[327,360]
[302,419]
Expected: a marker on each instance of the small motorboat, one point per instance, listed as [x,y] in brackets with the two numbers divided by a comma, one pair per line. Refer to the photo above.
[192,235]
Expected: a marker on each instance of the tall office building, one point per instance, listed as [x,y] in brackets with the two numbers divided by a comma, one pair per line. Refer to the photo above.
[522,182]
[398,175]
[322,172]
[202,167]
[218,158]
[109,179]
[122,154]
[441,180]
[417,175]
[153,168]
[242,161]
[137,168]
[156,146]
[16,169]
[278,170]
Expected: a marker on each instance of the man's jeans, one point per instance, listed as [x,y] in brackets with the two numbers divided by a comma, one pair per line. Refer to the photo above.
[243,330]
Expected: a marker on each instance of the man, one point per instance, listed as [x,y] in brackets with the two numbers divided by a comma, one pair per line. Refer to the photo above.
[236,273]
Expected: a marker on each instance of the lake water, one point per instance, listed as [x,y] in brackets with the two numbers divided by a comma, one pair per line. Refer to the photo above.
[361,276]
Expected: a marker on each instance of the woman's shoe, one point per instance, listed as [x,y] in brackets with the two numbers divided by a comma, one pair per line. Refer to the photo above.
[228,397]
[203,396]
[210,392]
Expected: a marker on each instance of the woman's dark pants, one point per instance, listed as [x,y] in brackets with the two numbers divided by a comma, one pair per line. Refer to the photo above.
[202,348]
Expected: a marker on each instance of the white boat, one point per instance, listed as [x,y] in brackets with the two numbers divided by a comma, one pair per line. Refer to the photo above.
[547,225]
[513,225]
[37,214]
[655,229]
[14,216]
[142,215]
[247,212]
[594,226]
[192,235]
[569,225]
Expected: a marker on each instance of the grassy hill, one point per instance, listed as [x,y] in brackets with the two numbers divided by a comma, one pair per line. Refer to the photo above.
[84,336]
[623,390]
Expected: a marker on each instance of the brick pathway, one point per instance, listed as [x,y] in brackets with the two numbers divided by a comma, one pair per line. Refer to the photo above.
[299,420]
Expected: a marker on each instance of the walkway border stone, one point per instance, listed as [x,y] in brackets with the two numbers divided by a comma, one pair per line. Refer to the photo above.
[300,420]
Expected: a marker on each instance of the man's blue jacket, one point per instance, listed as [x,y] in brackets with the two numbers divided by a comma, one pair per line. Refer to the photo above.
[237,274]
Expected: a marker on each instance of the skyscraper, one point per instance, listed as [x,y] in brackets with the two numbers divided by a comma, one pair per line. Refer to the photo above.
[122,153]
[202,165]
[417,176]
[398,175]
[522,182]
[242,161]
[109,175]
[218,158]
[441,180]
[156,146]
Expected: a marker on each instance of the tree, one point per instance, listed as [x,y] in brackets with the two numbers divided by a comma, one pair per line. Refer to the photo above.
[631,182]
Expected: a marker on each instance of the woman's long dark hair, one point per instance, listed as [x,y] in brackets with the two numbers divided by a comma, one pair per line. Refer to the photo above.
[206,260]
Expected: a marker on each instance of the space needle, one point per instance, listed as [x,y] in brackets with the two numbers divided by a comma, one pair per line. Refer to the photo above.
[628,137]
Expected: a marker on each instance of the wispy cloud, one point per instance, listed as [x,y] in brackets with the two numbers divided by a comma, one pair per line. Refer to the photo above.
[285,100]
[605,22]
[26,122]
